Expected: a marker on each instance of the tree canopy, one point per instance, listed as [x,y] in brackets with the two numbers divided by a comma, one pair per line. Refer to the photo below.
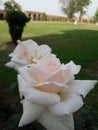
[96,15]
[70,7]
[12,5]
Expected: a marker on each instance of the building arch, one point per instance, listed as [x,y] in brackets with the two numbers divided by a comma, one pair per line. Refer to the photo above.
[34,16]
[1,16]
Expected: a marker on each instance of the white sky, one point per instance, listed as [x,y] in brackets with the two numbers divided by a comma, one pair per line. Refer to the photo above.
[51,7]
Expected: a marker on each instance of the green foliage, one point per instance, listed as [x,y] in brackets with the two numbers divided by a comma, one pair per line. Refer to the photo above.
[96,15]
[16,18]
[85,119]
[44,17]
[13,121]
[16,21]
[81,5]
[70,7]
[11,5]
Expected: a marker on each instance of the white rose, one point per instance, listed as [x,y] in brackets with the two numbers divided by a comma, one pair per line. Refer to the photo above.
[51,84]
[27,52]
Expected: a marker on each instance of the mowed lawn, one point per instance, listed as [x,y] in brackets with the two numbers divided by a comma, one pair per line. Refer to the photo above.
[78,43]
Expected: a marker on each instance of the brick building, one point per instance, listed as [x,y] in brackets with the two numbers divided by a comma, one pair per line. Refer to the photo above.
[38,16]
[2,14]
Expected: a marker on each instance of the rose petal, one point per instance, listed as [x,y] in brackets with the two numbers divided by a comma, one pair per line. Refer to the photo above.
[73,67]
[64,74]
[28,44]
[81,86]
[24,52]
[70,104]
[36,96]
[11,55]
[60,76]
[40,97]
[25,74]
[51,87]
[21,62]
[13,65]
[44,50]
[31,74]
[10,64]
[30,112]
[22,85]
[51,122]
[48,64]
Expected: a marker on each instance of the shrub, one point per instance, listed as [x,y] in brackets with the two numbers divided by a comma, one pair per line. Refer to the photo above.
[44,17]
[16,21]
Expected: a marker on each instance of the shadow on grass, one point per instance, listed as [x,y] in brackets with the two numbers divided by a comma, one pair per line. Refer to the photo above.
[81,46]
[67,38]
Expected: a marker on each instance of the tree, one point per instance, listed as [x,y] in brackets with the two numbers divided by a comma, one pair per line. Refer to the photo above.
[16,21]
[44,17]
[96,15]
[70,7]
[81,5]
[11,5]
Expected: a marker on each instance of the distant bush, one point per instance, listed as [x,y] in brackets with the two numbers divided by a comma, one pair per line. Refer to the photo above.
[44,17]
[16,21]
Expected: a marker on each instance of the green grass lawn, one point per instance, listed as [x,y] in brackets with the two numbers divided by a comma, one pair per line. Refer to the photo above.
[70,42]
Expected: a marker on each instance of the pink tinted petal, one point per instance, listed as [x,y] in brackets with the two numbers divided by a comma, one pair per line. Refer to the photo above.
[36,96]
[81,87]
[31,74]
[30,112]
[27,75]
[37,74]
[61,76]
[49,64]
[51,87]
